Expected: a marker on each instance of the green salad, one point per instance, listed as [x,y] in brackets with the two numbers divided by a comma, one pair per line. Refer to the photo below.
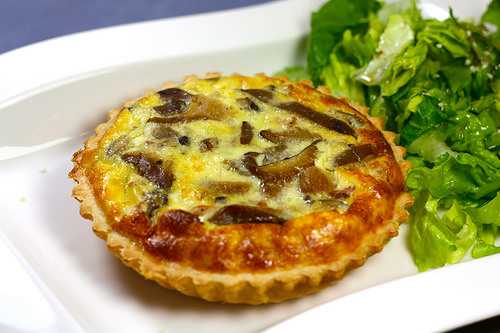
[436,84]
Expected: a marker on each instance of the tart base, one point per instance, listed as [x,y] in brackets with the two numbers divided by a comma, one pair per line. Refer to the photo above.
[248,288]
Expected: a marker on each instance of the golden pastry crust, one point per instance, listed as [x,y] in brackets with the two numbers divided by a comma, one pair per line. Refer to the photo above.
[260,262]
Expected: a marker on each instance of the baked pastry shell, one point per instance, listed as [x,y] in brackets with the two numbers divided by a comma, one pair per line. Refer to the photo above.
[248,288]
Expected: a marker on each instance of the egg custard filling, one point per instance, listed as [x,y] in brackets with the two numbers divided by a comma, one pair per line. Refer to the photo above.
[241,189]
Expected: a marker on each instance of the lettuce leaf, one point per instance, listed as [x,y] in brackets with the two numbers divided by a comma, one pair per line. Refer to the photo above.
[408,7]
[489,213]
[492,16]
[327,26]
[431,146]
[487,218]
[396,37]
[358,49]
[468,132]
[402,69]
[462,177]
[437,84]
[492,13]
[437,240]
[337,77]
[407,100]
[445,39]
[427,114]
[485,245]
[458,77]
[353,51]
[382,107]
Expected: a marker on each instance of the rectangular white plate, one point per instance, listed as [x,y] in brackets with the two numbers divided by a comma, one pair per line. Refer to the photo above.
[56,92]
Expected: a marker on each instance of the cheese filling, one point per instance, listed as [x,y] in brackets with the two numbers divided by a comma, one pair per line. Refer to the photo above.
[211,144]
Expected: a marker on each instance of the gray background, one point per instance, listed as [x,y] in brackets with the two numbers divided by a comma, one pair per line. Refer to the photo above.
[24,22]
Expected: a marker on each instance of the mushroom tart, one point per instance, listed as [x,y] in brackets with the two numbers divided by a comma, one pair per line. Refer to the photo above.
[242,189]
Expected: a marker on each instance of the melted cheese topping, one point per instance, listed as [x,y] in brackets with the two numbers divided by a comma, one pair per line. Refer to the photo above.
[125,190]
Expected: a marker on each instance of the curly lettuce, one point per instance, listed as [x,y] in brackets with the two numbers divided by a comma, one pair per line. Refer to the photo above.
[439,239]
[396,37]
[437,84]
[327,27]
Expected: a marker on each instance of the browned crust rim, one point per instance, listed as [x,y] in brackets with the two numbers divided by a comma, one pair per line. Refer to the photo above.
[249,288]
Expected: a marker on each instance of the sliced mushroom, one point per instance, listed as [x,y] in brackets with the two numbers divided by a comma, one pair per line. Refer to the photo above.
[351,118]
[236,166]
[200,108]
[313,180]
[175,101]
[270,154]
[164,133]
[158,120]
[292,134]
[293,164]
[303,111]
[274,175]
[274,153]
[261,94]
[203,107]
[239,214]
[208,144]
[335,199]
[319,118]
[155,171]
[247,104]
[117,146]
[246,133]
[217,188]
[270,136]
[355,153]
[162,136]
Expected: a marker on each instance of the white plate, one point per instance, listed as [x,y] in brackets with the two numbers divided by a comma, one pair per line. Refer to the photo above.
[53,93]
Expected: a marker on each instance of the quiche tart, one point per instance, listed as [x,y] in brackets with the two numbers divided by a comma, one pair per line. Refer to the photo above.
[241,189]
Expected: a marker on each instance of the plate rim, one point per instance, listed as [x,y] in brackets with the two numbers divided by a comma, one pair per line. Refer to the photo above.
[114,43]
[422,304]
